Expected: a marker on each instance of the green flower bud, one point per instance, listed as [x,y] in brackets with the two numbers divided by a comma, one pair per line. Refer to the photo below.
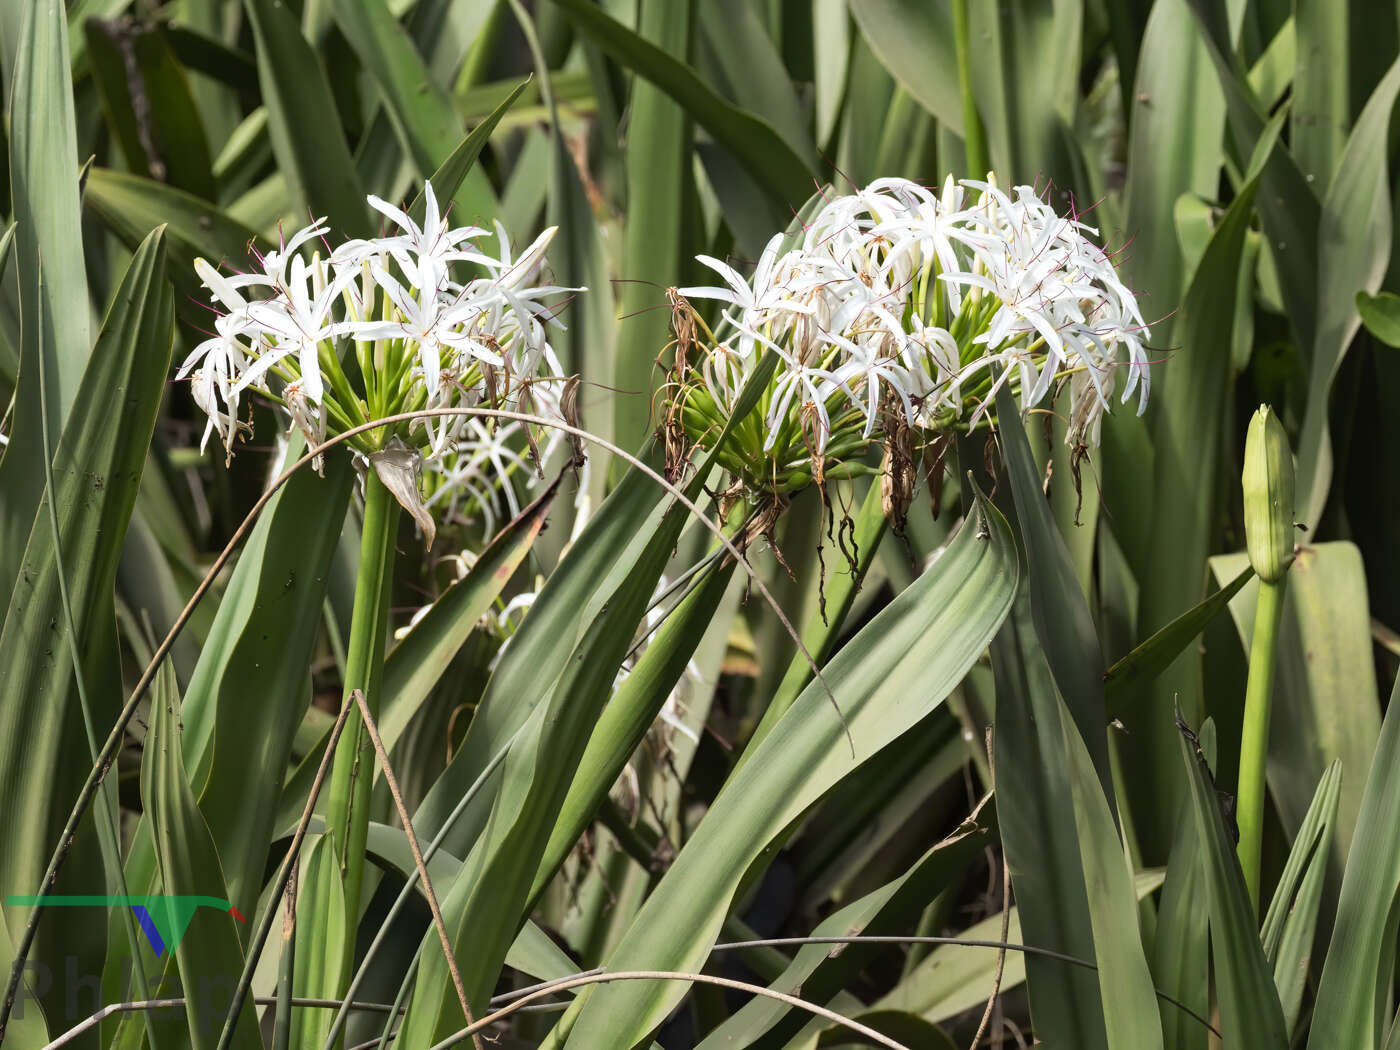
[1268,496]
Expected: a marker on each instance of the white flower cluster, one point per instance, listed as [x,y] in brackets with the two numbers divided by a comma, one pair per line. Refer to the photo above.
[421,338]
[897,290]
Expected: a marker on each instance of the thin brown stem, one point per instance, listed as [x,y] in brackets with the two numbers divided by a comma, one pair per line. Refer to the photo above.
[877,1038]
[393,784]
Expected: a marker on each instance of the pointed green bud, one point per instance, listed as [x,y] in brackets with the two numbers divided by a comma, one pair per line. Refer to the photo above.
[1268,496]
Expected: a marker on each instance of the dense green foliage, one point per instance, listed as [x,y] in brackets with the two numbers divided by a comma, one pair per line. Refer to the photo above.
[651,685]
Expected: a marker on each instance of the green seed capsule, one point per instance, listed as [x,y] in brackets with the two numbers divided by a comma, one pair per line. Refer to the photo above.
[1268,496]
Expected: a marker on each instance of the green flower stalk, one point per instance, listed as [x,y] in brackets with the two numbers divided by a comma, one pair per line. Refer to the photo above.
[1268,517]
[422,318]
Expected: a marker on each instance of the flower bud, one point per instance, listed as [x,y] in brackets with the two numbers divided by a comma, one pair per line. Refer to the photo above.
[1268,496]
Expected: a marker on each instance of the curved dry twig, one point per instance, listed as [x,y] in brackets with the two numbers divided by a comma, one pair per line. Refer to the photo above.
[89,1023]
[670,975]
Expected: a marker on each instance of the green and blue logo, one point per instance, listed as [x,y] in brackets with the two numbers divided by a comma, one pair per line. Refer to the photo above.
[164,920]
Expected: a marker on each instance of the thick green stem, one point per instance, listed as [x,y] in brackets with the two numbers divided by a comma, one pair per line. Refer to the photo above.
[1254,743]
[974,137]
[347,807]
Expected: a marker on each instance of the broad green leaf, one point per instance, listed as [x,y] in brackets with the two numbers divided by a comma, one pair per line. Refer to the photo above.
[1380,314]
[1354,246]
[1321,110]
[420,109]
[453,171]
[1290,926]
[770,159]
[1174,147]
[254,669]
[97,472]
[417,662]
[307,137]
[26,1029]
[1288,205]
[1190,400]
[824,631]
[43,161]
[321,941]
[1128,676]
[1354,988]
[658,162]
[954,978]
[133,205]
[188,863]
[1181,952]
[1131,1016]
[915,42]
[149,108]
[537,653]
[745,63]
[1059,611]
[1249,1006]
[817,974]
[1039,836]
[630,713]
[1326,704]
[1027,103]
[487,904]
[887,678]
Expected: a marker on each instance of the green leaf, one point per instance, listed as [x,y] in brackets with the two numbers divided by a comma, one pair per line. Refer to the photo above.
[133,205]
[1380,314]
[189,866]
[97,472]
[307,138]
[954,978]
[459,164]
[1068,636]
[1321,110]
[887,678]
[1290,926]
[44,193]
[914,41]
[1249,1006]
[1039,836]
[488,903]
[417,104]
[1189,400]
[1130,674]
[321,941]
[419,661]
[1355,985]
[630,713]
[1354,246]
[818,974]
[658,160]
[253,669]
[774,162]
[1181,952]
[149,108]
[1131,1016]
[823,632]
[1174,147]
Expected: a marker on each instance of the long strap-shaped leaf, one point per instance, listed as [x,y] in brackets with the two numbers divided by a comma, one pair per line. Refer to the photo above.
[1362,952]
[1250,1014]
[97,471]
[44,188]
[892,674]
